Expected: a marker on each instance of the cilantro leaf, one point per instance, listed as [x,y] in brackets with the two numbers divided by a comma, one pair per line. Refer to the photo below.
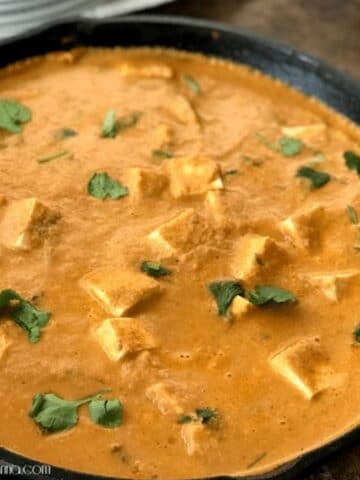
[263,294]
[356,334]
[184,419]
[24,313]
[112,126]
[101,185]
[192,83]
[224,291]
[318,179]
[163,154]
[352,161]
[108,413]
[12,115]
[154,269]
[352,214]
[53,156]
[65,133]
[205,415]
[290,147]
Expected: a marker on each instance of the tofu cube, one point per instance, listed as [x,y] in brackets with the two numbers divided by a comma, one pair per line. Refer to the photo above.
[118,290]
[332,284]
[307,133]
[145,182]
[253,252]
[121,336]
[146,71]
[305,366]
[180,235]
[303,227]
[239,307]
[25,224]
[195,435]
[194,176]
[163,397]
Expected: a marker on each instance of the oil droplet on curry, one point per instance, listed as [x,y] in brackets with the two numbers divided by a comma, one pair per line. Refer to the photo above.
[179,251]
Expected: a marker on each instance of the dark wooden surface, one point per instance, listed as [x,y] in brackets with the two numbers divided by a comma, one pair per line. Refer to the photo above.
[328,29]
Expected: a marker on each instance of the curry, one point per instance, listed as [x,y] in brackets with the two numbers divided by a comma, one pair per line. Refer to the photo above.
[179,266]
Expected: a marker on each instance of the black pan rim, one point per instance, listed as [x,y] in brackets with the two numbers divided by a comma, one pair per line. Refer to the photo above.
[308,63]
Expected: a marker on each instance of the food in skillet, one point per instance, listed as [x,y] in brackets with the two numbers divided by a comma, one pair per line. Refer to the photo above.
[179,266]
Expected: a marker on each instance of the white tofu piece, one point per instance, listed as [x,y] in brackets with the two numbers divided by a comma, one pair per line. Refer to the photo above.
[332,284]
[195,435]
[302,227]
[146,71]
[239,307]
[25,224]
[163,397]
[307,133]
[4,343]
[144,183]
[122,336]
[194,176]
[305,365]
[180,234]
[118,289]
[252,252]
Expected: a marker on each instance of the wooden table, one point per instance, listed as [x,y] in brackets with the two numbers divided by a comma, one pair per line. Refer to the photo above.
[328,29]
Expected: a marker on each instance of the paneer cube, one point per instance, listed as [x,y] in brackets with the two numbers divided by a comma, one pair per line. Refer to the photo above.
[163,397]
[239,307]
[118,289]
[145,182]
[122,336]
[25,224]
[305,365]
[307,133]
[146,71]
[253,252]
[303,227]
[181,109]
[194,176]
[332,284]
[195,435]
[181,234]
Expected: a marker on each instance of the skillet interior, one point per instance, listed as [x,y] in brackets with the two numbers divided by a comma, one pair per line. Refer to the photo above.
[299,70]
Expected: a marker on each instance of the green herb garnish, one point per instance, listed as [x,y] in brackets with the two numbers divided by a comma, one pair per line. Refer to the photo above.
[263,295]
[290,147]
[65,133]
[154,269]
[352,161]
[192,83]
[163,154]
[12,115]
[53,156]
[101,185]
[205,416]
[107,413]
[24,313]
[112,126]
[356,334]
[54,414]
[265,141]
[232,171]
[317,179]
[352,214]
[224,291]
[185,419]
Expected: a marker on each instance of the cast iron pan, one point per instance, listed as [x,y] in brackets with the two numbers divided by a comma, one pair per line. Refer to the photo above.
[304,72]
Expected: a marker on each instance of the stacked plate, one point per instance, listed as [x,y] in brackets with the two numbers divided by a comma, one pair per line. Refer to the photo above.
[17,16]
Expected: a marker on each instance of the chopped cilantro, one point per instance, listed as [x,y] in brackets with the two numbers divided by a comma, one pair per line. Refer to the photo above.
[317,179]
[192,83]
[65,133]
[224,291]
[154,269]
[101,185]
[109,129]
[107,413]
[353,215]
[12,115]
[352,161]
[356,334]
[163,154]
[206,416]
[263,294]
[24,313]
[53,156]
[290,147]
